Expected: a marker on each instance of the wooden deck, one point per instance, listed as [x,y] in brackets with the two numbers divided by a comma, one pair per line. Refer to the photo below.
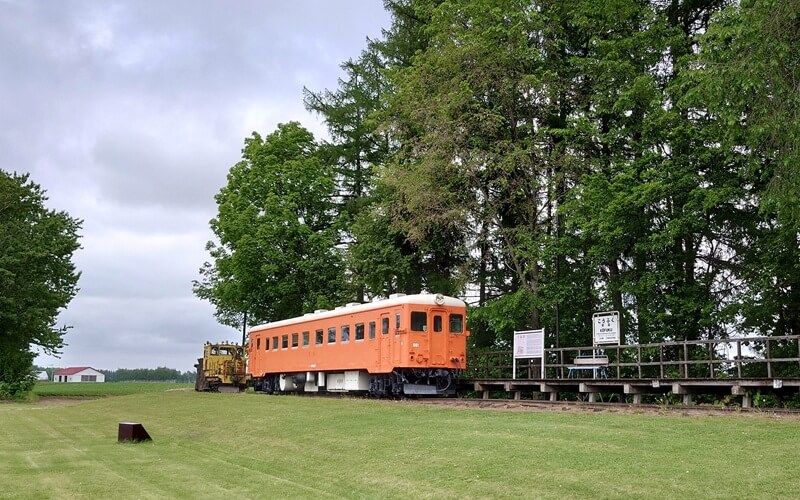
[591,388]
[739,367]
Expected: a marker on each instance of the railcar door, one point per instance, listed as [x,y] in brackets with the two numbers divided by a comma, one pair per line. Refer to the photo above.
[438,337]
[398,341]
[385,343]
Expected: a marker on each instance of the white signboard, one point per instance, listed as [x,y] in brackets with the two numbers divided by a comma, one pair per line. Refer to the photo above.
[605,327]
[528,344]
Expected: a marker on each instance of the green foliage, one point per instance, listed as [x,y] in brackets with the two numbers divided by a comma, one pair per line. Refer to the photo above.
[553,159]
[160,374]
[37,278]
[765,400]
[745,81]
[15,384]
[747,74]
[276,254]
[496,321]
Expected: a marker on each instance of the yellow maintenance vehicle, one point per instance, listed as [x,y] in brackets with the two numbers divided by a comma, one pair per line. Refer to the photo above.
[223,368]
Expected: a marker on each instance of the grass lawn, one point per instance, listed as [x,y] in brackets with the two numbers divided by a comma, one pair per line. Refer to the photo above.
[255,446]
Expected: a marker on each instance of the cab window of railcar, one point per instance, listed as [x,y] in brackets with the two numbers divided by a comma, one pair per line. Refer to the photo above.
[258,343]
[305,339]
[294,340]
[266,343]
[384,326]
[320,337]
[397,321]
[274,343]
[332,335]
[456,323]
[419,321]
[437,324]
[360,331]
[285,342]
[371,330]
[345,333]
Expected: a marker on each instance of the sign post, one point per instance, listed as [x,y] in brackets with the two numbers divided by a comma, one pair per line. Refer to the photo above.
[528,344]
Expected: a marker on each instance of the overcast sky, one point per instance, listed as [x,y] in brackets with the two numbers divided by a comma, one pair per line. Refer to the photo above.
[129,114]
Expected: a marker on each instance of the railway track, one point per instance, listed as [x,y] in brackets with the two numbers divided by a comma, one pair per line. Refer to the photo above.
[582,406]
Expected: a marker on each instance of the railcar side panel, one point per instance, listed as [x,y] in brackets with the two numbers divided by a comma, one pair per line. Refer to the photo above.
[421,334]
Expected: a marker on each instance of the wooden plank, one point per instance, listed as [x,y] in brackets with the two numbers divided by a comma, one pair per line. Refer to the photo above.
[590,360]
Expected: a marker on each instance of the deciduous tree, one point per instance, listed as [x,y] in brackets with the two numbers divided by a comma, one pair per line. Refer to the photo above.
[276,255]
[37,278]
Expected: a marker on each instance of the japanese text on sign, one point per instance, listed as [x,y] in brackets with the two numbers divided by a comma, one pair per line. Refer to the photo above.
[529,344]
[606,327]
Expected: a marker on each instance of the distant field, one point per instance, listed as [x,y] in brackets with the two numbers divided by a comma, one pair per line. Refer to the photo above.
[255,446]
[94,389]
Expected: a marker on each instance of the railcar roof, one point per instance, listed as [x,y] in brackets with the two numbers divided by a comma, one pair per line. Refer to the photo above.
[427,299]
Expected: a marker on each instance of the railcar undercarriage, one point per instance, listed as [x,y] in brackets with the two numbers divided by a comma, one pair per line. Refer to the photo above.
[398,383]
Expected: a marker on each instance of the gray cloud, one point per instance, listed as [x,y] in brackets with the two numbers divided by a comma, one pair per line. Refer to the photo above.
[130,113]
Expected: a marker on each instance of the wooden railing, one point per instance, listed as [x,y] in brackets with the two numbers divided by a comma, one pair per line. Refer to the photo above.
[750,357]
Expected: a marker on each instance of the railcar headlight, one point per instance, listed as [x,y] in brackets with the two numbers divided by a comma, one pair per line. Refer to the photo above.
[439,299]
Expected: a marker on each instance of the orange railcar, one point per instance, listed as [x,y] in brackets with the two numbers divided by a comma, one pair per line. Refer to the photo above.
[407,344]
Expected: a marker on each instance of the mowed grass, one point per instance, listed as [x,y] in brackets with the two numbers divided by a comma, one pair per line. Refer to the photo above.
[256,446]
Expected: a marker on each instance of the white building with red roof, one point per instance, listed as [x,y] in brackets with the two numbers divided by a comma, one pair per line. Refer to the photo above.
[78,374]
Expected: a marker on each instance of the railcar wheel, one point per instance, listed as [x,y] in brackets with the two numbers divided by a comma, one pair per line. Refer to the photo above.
[444,380]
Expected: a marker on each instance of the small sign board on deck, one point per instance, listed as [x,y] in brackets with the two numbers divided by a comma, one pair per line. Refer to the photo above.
[605,327]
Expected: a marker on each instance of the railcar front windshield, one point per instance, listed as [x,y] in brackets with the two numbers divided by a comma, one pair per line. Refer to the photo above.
[226,351]
[456,323]
[419,321]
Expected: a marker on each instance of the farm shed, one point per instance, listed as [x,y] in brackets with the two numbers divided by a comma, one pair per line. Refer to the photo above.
[78,374]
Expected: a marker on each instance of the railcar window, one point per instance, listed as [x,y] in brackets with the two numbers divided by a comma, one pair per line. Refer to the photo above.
[332,335]
[371,330]
[384,326]
[419,321]
[437,324]
[360,331]
[285,342]
[294,340]
[258,343]
[274,343]
[266,344]
[345,333]
[305,339]
[397,321]
[456,323]
[320,336]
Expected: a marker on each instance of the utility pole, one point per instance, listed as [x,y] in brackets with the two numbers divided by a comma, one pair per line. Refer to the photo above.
[244,329]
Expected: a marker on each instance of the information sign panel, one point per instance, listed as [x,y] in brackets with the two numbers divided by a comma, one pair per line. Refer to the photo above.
[605,326]
[528,344]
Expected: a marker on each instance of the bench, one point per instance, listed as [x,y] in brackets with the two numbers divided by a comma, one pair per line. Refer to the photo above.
[596,364]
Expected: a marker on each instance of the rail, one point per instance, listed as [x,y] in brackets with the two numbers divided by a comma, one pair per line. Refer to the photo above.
[746,357]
